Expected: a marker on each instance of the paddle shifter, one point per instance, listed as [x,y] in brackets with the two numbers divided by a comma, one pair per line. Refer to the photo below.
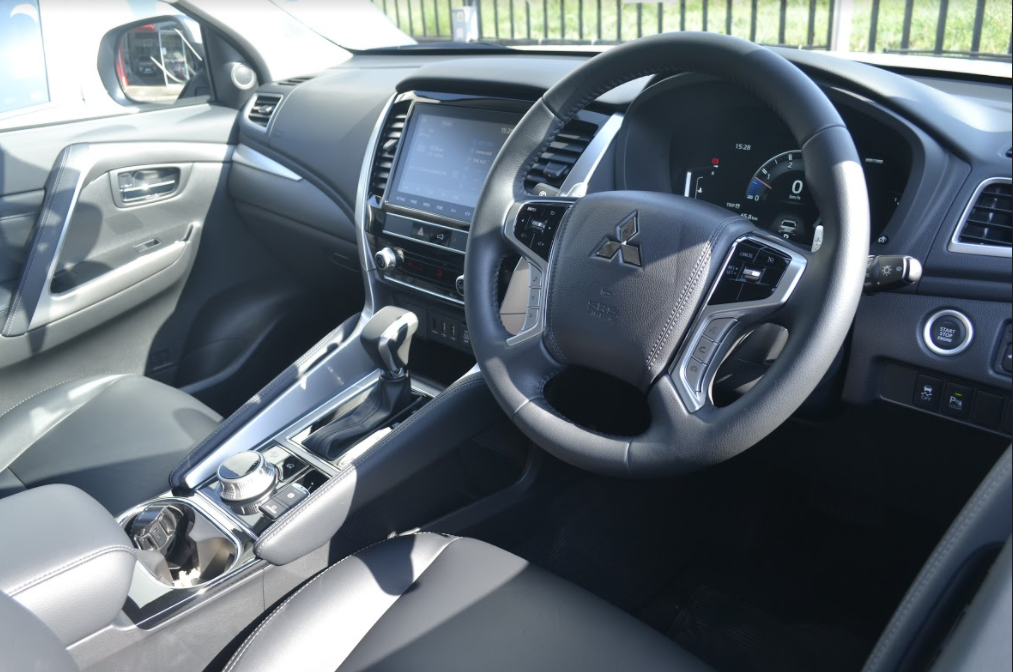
[387,338]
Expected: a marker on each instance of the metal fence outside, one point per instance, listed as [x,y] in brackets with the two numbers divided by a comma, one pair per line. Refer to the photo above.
[806,24]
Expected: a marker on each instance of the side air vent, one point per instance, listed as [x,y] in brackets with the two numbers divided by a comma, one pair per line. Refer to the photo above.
[390,138]
[263,108]
[295,81]
[987,226]
[555,164]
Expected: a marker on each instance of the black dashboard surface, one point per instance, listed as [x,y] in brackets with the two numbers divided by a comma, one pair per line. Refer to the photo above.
[929,148]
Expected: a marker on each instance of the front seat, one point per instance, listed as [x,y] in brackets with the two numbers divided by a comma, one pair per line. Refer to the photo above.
[429,602]
[115,437]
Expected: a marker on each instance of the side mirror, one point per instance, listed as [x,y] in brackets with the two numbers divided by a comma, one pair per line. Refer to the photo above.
[156,61]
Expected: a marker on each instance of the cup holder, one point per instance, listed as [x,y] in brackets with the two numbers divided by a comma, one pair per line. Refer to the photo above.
[179,545]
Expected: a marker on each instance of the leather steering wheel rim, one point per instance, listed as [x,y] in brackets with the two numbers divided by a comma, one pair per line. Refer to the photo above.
[687,247]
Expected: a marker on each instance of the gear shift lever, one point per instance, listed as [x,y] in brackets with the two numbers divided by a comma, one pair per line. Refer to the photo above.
[387,338]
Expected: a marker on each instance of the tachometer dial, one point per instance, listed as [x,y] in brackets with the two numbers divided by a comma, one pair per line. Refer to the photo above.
[778,199]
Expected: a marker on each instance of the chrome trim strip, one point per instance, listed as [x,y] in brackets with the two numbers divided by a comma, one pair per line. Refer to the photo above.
[423,290]
[423,242]
[588,162]
[958,247]
[251,158]
[332,378]
[960,317]
[362,213]
[695,400]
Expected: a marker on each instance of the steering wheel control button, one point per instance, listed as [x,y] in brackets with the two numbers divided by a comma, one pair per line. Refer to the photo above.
[531,318]
[948,333]
[928,392]
[957,401]
[1007,360]
[535,297]
[246,476]
[704,351]
[537,224]
[752,274]
[717,329]
[695,372]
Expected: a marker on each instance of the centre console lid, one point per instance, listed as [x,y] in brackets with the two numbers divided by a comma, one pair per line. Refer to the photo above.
[65,559]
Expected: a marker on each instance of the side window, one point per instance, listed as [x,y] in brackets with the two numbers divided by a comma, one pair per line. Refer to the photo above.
[71,60]
[23,79]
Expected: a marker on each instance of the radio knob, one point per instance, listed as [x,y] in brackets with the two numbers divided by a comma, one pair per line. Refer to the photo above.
[386,258]
[459,284]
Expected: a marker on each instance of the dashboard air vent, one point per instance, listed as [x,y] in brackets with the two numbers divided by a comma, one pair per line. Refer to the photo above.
[263,108]
[295,81]
[989,221]
[390,138]
[555,164]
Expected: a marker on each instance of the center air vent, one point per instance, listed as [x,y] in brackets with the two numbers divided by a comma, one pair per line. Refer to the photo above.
[987,227]
[263,108]
[390,138]
[555,164]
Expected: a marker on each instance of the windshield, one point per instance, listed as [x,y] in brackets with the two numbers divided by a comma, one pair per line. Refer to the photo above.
[961,29]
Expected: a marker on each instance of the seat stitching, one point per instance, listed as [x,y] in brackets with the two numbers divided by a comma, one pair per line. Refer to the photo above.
[77,562]
[18,215]
[116,377]
[246,645]
[50,389]
[934,562]
[289,517]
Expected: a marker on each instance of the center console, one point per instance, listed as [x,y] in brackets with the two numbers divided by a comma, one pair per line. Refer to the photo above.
[433,155]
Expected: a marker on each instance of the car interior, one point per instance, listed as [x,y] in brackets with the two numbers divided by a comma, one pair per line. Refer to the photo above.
[688,355]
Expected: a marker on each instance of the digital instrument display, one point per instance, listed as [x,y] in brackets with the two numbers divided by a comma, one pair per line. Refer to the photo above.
[745,161]
[445,158]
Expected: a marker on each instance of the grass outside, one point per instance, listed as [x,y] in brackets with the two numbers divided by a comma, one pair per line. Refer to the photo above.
[626,20]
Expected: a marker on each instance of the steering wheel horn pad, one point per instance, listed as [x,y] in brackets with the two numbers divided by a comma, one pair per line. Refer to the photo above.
[604,311]
[629,270]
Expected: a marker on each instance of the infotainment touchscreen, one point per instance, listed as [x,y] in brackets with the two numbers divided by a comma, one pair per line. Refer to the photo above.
[445,157]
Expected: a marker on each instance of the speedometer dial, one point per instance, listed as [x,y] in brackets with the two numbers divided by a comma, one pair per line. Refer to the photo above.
[777,198]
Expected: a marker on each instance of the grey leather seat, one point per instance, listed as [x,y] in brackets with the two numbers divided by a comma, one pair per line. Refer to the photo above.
[443,604]
[115,437]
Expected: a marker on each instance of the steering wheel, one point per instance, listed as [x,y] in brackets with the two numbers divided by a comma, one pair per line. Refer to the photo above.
[656,289]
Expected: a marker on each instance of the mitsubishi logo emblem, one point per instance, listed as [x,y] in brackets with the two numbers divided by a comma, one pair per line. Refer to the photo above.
[624,243]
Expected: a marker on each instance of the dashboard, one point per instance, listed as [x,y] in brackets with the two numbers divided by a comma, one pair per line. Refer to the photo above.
[391,151]
[730,150]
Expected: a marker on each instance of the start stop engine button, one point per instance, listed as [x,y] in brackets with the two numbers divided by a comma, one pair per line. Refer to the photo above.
[948,333]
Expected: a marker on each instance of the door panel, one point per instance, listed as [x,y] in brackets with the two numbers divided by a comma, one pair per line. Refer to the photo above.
[86,248]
